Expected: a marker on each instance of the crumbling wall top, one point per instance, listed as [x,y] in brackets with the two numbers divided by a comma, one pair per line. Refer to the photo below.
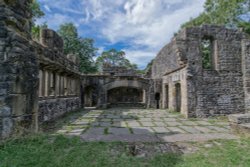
[51,39]
[16,15]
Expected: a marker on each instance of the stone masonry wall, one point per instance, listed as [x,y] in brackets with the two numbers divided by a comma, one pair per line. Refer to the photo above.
[170,58]
[166,61]
[18,70]
[218,90]
[101,84]
[36,79]
[59,78]
[50,109]
[169,91]
[246,71]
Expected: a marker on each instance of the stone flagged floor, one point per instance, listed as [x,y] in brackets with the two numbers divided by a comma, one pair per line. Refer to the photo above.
[144,125]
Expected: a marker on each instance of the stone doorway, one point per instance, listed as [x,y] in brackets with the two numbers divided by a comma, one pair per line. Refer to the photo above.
[166,97]
[178,97]
[90,96]
[157,98]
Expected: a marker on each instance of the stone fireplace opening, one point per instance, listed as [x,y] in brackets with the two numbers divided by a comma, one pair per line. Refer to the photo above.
[125,95]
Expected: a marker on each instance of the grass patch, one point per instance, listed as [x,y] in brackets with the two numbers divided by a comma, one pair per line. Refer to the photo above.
[131,130]
[229,153]
[106,131]
[59,151]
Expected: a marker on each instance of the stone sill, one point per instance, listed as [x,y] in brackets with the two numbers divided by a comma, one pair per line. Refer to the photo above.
[57,97]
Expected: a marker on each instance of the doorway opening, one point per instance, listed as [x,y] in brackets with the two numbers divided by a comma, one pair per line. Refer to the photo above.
[178,97]
[157,98]
[90,96]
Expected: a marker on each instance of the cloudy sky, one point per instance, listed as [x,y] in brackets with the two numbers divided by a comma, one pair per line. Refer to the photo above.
[138,27]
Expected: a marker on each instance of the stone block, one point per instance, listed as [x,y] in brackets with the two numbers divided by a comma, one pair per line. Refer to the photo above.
[3,92]
[5,111]
[239,118]
[7,127]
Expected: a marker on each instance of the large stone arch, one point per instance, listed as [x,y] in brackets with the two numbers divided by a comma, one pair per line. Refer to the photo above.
[125,83]
[139,84]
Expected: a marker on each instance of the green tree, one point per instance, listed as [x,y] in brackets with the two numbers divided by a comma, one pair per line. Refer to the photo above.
[114,58]
[81,47]
[223,12]
[36,11]
[35,31]
[36,14]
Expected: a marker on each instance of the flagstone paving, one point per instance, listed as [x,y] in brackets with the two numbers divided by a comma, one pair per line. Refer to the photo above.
[144,125]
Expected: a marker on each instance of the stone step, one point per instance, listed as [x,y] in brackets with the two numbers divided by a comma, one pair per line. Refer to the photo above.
[239,118]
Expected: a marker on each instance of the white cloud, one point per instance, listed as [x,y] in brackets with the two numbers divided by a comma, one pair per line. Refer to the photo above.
[47,8]
[144,25]
[149,23]
[140,57]
[56,19]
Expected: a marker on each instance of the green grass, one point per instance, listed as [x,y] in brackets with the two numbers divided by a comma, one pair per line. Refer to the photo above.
[229,153]
[59,151]
[106,131]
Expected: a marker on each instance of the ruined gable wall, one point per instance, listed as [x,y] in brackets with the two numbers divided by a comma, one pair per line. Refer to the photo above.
[165,61]
[170,58]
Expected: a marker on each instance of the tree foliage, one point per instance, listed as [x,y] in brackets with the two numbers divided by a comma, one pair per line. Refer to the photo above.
[36,11]
[36,14]
[206,48]
[35,31]
[114,58]
[223,12]
[78,46]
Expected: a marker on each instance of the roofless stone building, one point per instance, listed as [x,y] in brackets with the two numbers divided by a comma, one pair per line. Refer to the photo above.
[204,71]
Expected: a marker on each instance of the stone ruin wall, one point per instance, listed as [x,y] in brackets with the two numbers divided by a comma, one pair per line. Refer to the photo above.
[218,91]
[246,71]
[169,91]
[100,85]
[38,83]
[24,63]
[206,92]
[59,78]
[171,58]
[18,69]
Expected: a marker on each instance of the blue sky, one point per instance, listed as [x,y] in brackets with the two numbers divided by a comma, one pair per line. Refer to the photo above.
[138,27]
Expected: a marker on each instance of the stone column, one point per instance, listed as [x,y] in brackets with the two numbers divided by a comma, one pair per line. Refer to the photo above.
[57,88]
[46,83]
[144,96]
[163,95]
[40,83]
[65,88]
